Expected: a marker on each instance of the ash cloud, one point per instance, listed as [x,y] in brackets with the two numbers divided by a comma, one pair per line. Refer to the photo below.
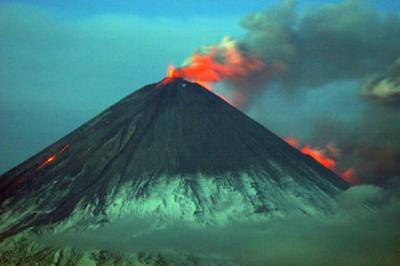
[346,40]
[363,232]
[324,47]
[370,144]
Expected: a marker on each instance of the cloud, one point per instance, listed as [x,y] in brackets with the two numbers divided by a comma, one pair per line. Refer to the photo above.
[364,231]
[385,87]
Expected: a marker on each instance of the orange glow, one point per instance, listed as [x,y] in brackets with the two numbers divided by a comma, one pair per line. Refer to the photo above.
[52,158]
[292,142]
[319,156]
[325,156]
[24,177]
[349,176]
[222,62]
[46,162]
[172,72]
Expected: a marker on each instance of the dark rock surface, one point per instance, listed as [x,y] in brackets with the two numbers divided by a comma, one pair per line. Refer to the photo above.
[167,132]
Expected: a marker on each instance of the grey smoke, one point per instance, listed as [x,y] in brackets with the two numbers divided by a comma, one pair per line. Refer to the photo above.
[369,143]
[349,45]
[346,40]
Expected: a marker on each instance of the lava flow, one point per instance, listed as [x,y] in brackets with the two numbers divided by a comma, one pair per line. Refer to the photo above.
[172,73]
[21,179]
[52,157]
[325,156]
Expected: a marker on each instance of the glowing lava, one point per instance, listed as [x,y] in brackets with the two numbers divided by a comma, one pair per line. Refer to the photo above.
[325,156]
[48,160]
[52,158]
[25,176]
[319,155]
[172,72]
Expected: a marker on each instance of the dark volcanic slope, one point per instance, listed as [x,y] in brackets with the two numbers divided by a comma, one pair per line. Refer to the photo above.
[159,131]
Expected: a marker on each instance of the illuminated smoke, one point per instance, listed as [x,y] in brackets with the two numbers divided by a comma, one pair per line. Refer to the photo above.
[325,45]
[320,155]
[223,61]
[229,63]
[326,156]
[346,41]
[370,144]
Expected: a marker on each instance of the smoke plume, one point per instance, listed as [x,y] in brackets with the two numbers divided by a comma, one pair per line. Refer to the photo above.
[228,62]
[371,144]
[348,40]
[323,46]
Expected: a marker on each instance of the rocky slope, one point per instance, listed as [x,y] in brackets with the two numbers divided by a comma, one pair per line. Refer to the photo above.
[171,150]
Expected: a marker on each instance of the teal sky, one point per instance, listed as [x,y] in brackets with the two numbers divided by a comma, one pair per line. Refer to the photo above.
[62,62]
[177,8]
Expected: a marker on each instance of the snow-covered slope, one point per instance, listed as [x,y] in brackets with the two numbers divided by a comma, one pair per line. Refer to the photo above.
[171,150]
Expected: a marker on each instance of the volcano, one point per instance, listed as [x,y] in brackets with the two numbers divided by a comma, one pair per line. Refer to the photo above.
[172,150]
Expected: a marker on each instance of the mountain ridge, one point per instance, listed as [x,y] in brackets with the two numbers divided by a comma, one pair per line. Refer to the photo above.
[173,149]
